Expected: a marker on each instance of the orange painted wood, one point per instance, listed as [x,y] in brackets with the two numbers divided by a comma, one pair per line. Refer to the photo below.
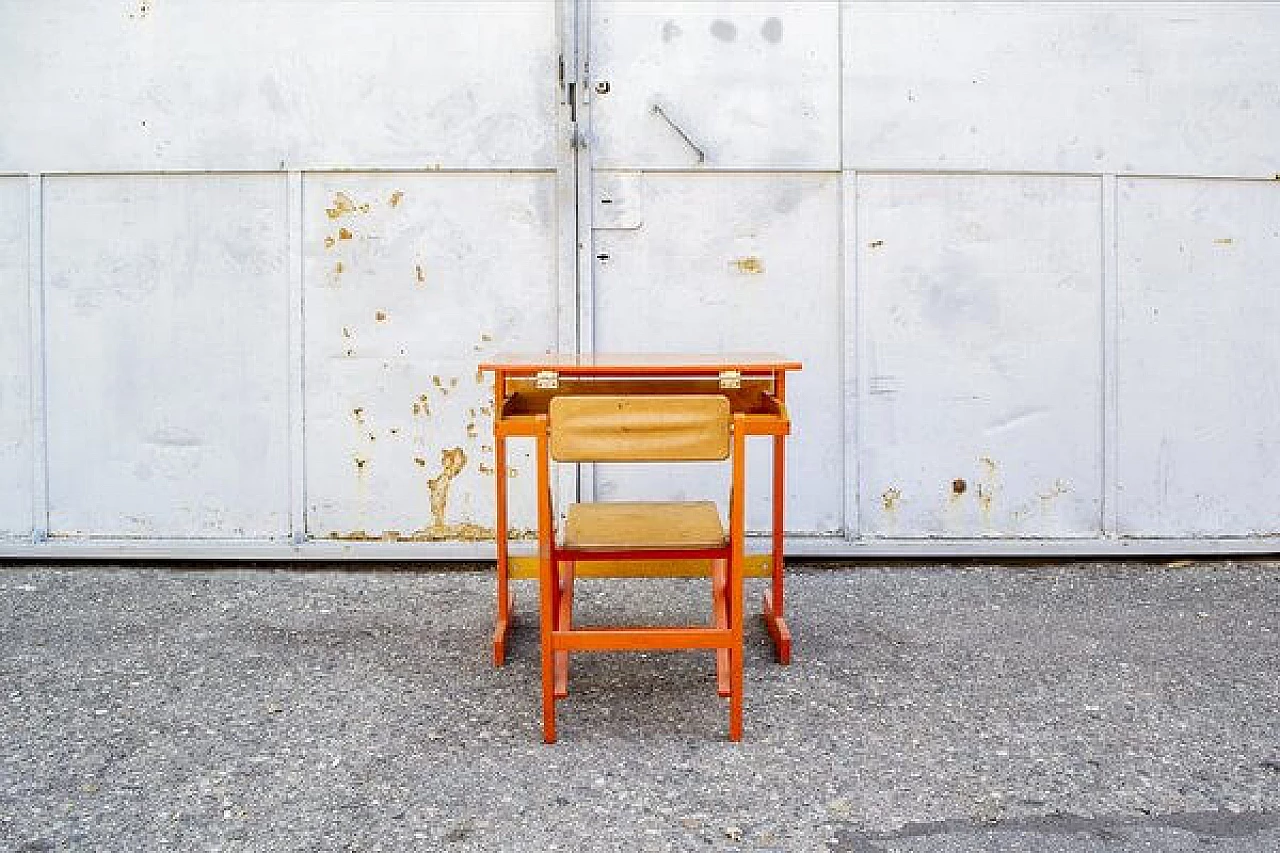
[548,589]
[720,616]
[778,630]
[525,567]
[503,620]
[634,639]
[633,364]
[737,552]
[565,622]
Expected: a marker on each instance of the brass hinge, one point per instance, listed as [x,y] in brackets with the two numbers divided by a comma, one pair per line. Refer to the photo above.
[547,380]
[730,379]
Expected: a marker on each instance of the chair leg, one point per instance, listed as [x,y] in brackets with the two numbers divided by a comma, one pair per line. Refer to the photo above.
[720,611]
[564,622]
[547,613]
[735,693]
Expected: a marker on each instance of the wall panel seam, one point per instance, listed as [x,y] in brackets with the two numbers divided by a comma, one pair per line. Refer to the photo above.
[850,363]
[295,408]
[1110,352]
[37,369]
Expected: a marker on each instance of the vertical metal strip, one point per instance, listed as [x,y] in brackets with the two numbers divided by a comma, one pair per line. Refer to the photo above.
[850,338]
[38,373]
[566,308]
[1110,353]
[582,156]
[296,405]
[585,209]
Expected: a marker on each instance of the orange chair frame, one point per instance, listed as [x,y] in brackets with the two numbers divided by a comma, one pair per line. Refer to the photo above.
[555,585]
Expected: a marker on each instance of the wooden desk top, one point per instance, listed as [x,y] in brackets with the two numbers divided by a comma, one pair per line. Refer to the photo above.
[631,364]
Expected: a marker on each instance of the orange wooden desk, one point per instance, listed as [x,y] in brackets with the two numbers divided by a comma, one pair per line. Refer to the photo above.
[755,384]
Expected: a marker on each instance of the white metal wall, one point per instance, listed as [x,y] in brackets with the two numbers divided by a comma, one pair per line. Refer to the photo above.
[250,254]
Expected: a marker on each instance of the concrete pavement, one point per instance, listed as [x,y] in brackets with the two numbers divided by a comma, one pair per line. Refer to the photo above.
[1064,707]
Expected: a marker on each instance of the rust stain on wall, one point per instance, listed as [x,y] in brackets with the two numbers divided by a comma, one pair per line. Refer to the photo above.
[380,316]
[452,461]
[421,406]
[890,499]
[396,196]
[342,206]
[421,276]
[750,266]
[329,241]
[344,234]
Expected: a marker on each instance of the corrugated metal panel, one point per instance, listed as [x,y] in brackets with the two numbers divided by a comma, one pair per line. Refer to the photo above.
[411,280]
[165,328]
[1199,366]
[981,309]
[15,363]
[1169,88]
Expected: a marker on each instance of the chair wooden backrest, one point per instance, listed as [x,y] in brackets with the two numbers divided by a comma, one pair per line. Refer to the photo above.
[640,428]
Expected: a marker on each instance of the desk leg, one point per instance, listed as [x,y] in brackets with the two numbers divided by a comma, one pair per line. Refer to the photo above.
[505,600]
[773,602]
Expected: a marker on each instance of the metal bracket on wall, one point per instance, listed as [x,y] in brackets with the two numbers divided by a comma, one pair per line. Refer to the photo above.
[657,108]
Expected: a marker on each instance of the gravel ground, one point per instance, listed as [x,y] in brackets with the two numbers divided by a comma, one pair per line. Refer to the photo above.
[1070,707]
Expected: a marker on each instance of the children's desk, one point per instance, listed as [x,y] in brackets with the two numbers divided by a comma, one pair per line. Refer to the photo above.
[754,383]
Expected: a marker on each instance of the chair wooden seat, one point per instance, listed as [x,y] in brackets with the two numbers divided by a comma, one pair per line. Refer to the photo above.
[626,526]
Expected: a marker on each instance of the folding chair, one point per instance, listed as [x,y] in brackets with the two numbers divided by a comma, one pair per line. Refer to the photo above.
[640,428]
